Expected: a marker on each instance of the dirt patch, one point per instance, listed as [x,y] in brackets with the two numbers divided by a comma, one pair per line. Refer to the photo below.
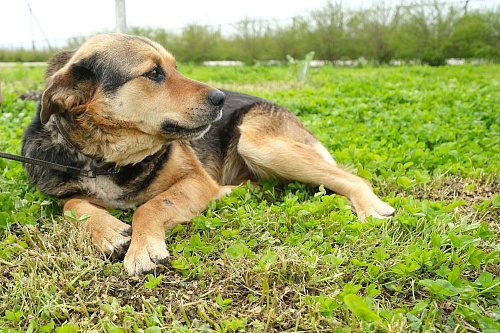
[31,95]
[475,192]
[267,86]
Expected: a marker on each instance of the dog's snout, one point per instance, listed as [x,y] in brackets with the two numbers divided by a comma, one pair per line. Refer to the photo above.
[217,98]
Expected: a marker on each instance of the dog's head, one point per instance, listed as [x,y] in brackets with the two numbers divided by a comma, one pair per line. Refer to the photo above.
[125,82]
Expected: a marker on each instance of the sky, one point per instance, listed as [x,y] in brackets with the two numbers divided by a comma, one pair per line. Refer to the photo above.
[62,19]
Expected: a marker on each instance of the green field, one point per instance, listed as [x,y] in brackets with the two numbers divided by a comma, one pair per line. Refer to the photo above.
[292,259]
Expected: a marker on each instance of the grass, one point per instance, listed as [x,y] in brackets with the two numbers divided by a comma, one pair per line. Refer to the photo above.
[292,259]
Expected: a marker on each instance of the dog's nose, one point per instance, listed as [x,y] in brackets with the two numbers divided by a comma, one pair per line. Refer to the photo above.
[217,98]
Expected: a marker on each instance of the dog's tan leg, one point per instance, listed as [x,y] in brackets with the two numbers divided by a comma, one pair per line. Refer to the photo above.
[179,204]
[108,233]
[285,158]
[224,191]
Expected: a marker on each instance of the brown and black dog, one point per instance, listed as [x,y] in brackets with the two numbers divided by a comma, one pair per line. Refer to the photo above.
[119,102]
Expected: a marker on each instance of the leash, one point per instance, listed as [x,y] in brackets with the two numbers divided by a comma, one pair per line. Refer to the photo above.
[59,167]
[97,168]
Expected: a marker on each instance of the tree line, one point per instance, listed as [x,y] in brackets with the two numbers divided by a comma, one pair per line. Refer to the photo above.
[430,31]
[424,30]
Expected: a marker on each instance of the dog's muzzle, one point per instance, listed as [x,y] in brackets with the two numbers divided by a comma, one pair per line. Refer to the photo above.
[202,118]
[217,98]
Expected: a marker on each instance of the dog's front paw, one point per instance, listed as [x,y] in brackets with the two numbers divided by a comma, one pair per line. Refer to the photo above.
[112,237]
[144,256]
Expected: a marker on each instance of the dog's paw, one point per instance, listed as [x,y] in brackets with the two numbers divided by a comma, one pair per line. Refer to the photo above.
[376,208]
[380,214]
[112,237]
[224,191]
[144,256]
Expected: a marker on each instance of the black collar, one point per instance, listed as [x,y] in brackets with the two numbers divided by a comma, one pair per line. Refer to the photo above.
[98,167]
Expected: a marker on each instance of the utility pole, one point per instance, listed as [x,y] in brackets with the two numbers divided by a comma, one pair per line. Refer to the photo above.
[121,20]
[32,30]
[33,17]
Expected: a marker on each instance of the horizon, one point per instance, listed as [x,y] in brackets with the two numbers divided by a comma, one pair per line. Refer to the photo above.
[44,26]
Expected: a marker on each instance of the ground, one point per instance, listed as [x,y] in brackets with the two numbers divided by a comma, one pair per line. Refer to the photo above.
[292,259]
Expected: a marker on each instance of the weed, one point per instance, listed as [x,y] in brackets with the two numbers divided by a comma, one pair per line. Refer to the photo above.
[293,258]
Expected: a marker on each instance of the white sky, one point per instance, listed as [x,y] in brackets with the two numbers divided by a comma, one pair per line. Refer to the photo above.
[61,19]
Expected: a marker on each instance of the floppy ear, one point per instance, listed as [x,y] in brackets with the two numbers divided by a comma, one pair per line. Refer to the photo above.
[71,86]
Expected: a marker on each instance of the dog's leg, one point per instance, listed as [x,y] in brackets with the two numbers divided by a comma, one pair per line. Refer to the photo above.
[179,204]
[224,191]
[111,235]
[282,157]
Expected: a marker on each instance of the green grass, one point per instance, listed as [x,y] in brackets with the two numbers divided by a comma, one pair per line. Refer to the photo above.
[293,259]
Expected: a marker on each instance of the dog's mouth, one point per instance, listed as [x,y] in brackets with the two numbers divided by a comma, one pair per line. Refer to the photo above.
[175,130]
[184,133]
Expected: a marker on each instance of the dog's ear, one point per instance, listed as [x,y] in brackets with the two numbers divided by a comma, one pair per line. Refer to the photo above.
[71,86]
[59,60]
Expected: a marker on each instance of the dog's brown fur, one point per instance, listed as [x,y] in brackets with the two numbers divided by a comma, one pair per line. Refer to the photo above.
[117,109]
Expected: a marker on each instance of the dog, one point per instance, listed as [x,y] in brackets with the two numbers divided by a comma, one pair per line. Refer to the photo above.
[174,144]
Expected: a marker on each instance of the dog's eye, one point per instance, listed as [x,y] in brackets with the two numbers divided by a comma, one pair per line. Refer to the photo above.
[156,74]
[153,73]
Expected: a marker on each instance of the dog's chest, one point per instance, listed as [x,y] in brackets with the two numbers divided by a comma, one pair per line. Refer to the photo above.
[106,190]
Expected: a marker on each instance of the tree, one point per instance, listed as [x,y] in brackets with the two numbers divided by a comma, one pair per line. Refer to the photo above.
[476,35]
[328,36]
